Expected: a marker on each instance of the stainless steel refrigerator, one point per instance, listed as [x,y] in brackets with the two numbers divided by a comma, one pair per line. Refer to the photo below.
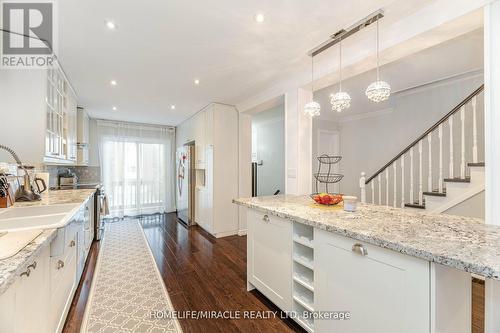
[185,186]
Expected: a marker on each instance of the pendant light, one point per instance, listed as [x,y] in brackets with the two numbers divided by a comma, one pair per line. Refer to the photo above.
[379,90]
[312,108]
[341,100]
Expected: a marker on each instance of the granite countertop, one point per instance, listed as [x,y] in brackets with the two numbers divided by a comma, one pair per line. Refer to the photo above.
[59,197]
[11,267]
[463,243]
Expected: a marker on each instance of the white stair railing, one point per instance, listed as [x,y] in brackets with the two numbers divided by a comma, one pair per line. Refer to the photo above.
[468,150]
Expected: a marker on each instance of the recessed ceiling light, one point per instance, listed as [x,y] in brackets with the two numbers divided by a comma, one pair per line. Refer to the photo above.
[259,18]
[172,107]
[196,81]
[115,108]
[111,25]
[113,82]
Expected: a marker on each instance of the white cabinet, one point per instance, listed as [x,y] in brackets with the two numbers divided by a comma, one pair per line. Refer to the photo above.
[24,307]
[269,249]
[39,299]
[83,137]
[60,136]
[199,137]
[41,104]
[62,273]
[384,291]
[214,131]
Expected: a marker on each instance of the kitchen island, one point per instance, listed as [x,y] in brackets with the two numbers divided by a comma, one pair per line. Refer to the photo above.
[393,270]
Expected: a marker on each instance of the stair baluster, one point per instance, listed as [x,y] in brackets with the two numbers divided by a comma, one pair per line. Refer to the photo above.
[379,189]
[373,192]
[395,188]
[462,156]
[420,187]
[450,123]
[429,176]
[474,131]
[411,176]
[440,180]
[362,185]
[387,187]
[403,181]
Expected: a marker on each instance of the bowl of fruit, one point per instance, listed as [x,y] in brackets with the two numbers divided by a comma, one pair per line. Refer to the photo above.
[327,199]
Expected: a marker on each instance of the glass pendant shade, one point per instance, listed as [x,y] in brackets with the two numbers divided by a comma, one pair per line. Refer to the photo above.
[340,101]
[312,109]
[378,91]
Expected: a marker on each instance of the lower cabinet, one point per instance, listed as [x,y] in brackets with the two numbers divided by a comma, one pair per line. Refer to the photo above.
[383,291]
[39,299]
[63,278]
[269,251]
[24,307]
[316,273]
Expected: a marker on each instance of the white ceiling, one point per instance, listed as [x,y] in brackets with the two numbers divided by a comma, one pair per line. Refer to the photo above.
[159,47]
[454,57]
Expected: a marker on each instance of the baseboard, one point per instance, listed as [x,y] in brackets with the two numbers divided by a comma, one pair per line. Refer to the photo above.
[226,234]
[242,232]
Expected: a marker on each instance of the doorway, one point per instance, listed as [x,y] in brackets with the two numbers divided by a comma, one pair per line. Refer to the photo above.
[268,151]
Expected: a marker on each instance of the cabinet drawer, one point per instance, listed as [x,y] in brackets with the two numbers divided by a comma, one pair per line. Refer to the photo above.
[64,239]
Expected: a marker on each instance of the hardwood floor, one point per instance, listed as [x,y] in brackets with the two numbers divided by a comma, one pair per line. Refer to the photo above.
[203,273]
[77,309]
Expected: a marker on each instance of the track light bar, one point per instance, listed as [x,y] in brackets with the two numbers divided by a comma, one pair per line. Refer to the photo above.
[344,33]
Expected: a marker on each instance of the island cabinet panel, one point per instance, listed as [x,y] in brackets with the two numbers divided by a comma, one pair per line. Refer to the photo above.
[270,257]
[384,291]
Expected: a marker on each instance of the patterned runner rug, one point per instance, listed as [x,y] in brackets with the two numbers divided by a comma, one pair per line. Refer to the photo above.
[127,287]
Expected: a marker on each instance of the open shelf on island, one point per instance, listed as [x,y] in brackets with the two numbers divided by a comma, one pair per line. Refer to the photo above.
[303,275]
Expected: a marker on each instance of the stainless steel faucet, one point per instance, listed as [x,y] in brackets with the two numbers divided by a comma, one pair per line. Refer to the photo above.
[24,192]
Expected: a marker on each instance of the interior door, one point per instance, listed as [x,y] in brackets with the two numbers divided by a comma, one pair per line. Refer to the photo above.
[328,142]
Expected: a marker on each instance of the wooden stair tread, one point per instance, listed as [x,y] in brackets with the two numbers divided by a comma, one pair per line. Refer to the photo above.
[435,194]
[457,180]
[478,164]
[415,205]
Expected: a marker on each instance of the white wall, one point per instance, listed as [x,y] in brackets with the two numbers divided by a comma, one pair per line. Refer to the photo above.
[268,146]
[472,207]
[368,144]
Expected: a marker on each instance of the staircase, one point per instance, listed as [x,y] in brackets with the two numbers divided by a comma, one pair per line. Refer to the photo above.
[451,148]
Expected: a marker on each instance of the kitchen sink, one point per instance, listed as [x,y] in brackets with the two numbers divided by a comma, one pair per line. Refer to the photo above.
[33,222]
[13,242]
[21,212]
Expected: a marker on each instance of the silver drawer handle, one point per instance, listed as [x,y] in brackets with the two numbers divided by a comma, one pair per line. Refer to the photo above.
[265,218]
[60,264]
[33,265]
[27,273]
[359,249]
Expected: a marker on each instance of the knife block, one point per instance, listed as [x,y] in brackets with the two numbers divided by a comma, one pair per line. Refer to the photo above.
[6,202]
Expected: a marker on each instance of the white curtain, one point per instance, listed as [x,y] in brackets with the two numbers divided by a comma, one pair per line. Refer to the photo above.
[137,167]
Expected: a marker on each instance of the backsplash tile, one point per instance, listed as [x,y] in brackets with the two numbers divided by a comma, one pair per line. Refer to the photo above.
[85,174]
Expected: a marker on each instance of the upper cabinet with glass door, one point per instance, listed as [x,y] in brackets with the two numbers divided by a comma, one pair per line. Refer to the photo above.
[61,127]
